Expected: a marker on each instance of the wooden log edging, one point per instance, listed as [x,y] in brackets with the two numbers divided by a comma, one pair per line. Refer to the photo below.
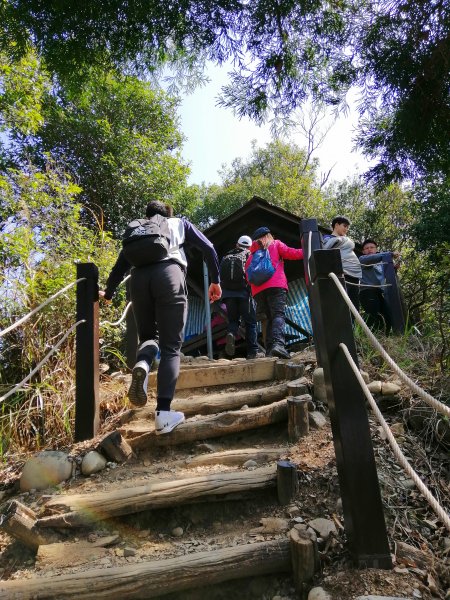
[248,371]
[20,522]
[157,578]
[85,509]
[213,426]
[236,457]
[213,403]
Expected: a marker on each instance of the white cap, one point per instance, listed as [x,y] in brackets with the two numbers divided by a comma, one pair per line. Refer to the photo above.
[245,240]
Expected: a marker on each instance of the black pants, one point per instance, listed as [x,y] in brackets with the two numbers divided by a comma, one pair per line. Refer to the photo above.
[245,308]
[272,303]
[377,311]
[352,287]
[159,297]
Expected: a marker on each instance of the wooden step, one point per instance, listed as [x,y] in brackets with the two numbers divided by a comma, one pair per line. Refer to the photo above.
[156,578]
[85,509]
[236,457]
[249,371]
[214,403]
[203,428]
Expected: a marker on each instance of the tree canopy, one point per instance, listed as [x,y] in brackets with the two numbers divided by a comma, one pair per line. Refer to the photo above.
[115,135]
[282,52]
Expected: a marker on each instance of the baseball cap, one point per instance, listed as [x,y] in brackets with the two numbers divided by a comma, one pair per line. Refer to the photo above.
[245,240]
[258,233]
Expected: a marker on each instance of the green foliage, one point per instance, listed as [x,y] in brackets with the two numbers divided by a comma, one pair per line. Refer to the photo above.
[279,173]
[116,136]
[405,67]
[283,53]
[293,47]
[23,87]
[432,216]
[42,237]
[119,138]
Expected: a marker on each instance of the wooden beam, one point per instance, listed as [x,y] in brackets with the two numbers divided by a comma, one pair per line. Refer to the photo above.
[20,522]
[84,509]
[87,401]
[237,457]
[246,372]
[214,403]
[156,578]
[212,426]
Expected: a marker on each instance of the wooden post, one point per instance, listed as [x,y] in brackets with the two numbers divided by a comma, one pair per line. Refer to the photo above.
[309,244]
[131,335]
[294,370]
[298,387]
[392,295]
[360,491]
[287,481]
[207,312]
[115,447]
[19,521]
[87,405]
[280,370]
[304,557]
[298,420]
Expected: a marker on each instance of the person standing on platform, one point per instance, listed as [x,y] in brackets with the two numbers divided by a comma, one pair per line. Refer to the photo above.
[372,292]
[351,266]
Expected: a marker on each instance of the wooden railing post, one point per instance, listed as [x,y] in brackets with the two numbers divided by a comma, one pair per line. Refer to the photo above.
[309,244]
[360,491]
[87,413]
[131,335]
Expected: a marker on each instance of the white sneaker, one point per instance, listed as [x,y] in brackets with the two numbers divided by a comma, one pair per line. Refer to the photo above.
[137,393]
[167,420]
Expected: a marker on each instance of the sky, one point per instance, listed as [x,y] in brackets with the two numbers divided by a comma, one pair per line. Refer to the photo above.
[215,136]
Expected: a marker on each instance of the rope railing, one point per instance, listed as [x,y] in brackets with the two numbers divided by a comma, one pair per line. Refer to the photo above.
[117,323]
[437,508]
[428,398]
[38,308]
[20,385]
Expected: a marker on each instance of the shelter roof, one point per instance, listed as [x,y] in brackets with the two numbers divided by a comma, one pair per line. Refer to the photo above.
[255,213]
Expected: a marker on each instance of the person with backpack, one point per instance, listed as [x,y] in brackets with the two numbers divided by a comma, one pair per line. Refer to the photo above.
[238,299]
[265,273]
[153,250]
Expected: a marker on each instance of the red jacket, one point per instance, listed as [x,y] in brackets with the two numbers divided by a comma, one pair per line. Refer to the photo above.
[277,251]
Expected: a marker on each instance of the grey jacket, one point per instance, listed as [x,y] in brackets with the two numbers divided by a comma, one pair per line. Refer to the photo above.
[350,262]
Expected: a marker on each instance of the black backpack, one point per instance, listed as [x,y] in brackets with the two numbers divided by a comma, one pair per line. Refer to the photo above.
[146,241]
[232,270]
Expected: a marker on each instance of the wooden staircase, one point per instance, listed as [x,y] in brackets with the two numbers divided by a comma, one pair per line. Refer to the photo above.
[232,451]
